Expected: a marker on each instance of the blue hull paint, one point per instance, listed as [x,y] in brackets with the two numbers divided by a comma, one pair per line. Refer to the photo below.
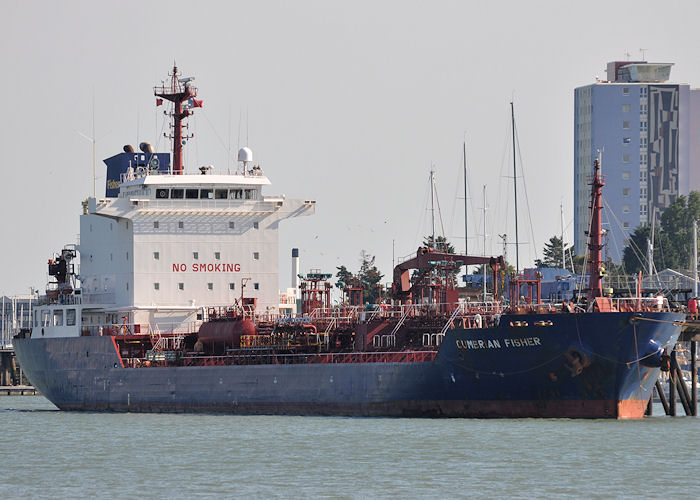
[582,365]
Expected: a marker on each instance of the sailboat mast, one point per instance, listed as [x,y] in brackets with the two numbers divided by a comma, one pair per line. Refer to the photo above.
[563,253]
[466,238]
[484,265]
[515,192]
[432,206]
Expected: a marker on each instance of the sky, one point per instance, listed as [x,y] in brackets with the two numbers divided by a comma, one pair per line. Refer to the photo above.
[350,104]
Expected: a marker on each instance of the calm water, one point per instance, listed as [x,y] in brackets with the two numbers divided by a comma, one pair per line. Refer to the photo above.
[51,454]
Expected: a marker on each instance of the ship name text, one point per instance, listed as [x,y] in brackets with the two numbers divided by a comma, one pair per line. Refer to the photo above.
[498,344]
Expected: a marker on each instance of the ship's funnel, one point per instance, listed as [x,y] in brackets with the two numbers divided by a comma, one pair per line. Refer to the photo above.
[128,148]
[295,268]
[146,148]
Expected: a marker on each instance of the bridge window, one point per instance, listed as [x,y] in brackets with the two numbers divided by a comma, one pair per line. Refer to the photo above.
[217,255]
[192,194]
[210,286]
[177,193]
[256,286]
[58,317]
[70,317]
[162,193]
[231,286]
[206,194]
[221,194]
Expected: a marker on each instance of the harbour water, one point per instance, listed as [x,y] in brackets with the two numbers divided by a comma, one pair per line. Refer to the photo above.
[51,454]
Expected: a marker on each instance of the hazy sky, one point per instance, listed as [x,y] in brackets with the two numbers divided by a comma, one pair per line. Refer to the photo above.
[347,103]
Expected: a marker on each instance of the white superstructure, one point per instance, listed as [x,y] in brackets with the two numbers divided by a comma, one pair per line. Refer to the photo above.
[164,244]
[170,244]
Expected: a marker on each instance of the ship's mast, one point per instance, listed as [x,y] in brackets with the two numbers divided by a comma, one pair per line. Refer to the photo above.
[595,246]
[515,193]
[181,93]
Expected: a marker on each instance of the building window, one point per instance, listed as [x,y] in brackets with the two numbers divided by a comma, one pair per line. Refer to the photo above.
[256,225]
[626,225]
[643,159]
[626,192]
[256,286]
[643,192]
[231,225]
[626,140]
[643,176]
[156,224]
[625,175]
[210,286]
[181,286]
[625,108]
[643,91]
[195,255]
[231,286]
[256,255]
[625,91]
[127,286]
[181,225]
[642,210]
[625,158]
[70,317]
[217,255]
[156,255]
[643,126]
[127,255]
[643,142]
[625,209]
[626,124]
[156,286]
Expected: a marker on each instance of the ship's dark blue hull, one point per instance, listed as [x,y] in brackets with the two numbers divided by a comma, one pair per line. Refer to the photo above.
[549,365]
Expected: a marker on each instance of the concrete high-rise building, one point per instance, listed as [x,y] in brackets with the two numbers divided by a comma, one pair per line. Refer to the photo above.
[646,131]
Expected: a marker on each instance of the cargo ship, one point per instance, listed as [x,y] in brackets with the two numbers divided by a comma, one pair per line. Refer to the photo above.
[174,307]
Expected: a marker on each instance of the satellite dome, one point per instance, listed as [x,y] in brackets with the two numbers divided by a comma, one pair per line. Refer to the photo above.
[245,155]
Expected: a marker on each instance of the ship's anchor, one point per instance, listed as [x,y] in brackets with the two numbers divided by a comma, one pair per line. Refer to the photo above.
[576,361]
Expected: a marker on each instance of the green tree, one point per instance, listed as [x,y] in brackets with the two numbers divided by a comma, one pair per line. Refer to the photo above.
[552,253]
[368,277]
[673,238]
[441,244]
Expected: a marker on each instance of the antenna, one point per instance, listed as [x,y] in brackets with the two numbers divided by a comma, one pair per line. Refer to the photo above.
[93,140]
[643,52]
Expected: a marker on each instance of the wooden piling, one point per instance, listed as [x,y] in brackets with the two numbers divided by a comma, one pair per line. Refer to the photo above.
[662,397]
[694,379]
[672,386]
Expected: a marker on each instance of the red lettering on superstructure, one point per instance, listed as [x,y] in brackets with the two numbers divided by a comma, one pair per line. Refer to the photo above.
[211,268]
